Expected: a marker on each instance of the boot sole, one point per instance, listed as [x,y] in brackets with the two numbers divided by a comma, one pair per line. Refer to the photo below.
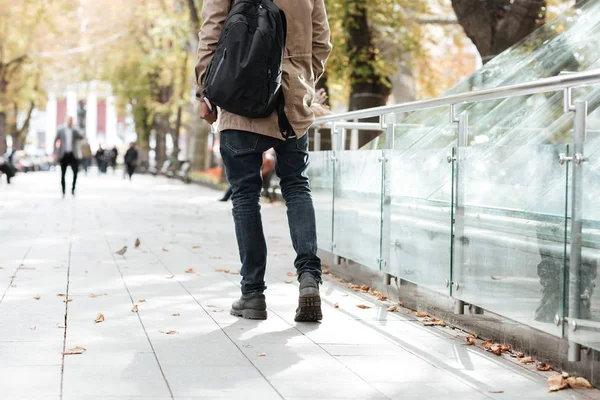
[249,314]
[309,308]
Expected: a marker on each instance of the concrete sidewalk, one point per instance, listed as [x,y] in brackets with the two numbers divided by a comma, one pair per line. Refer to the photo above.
[59,271]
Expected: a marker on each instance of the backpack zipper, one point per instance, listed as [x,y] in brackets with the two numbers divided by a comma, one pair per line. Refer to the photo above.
[219,66]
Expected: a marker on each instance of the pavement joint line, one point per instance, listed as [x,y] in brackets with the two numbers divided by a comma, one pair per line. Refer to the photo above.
[219,325]
[62,366]
[133,302]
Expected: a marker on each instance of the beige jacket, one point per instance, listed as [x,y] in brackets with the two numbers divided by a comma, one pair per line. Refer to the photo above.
[306,52]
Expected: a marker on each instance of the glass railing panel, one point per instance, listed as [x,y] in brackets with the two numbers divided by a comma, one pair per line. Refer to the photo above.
[584,328]
[357,206]
[320,173]
[420,218]
[509,245]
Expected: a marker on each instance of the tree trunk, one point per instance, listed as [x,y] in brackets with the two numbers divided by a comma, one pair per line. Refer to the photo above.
[368,88]
[495,26]
[161,127]
[2,133]
[175,155]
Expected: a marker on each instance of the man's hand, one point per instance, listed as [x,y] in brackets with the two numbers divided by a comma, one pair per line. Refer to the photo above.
[206,114]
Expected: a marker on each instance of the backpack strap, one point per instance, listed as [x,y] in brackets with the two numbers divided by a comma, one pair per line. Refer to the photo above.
[284,123]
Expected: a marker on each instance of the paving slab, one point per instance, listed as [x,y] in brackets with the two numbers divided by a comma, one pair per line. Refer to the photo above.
[167,332]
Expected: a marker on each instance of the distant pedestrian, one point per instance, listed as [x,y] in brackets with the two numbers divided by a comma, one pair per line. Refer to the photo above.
[100,159]
[131,158]
[86,155]
[114,153]
[68,152]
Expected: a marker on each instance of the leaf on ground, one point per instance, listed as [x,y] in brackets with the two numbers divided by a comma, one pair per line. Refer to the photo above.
[292,274]
[344,294]
[226,271]
[61,295]
[364,288]
[96,295]
[67,300]
[430,321]
[37,297]
[325,272]
[496,278]
[219,270]
[216,310]
[60,326]
[543,366]
[421,314]
[579,383]
[336,305]
[75,350]
[400,304]
[137,243]
[169,332]
[134,308]
[261,354]
[196,246]
[470,341]
[288,281]
[142,301]
[556,383]
[165,250]
[235,272]
[505,348]
[176,314]
[393,309]
[171,277]
[526,360]
[99,318]
[342,280]
[487,344]
[190,271]
[363,306]
[496,391]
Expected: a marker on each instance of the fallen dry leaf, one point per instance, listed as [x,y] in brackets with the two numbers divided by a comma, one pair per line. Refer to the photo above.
[325,272]
[169,332]
[287,281]
[165,250]
[429,321]
[543,366]
[235,272]
[526,360]
[134,308]
[142,301]
[421,314]
[196,246]
[67,300]
[336,305]
[216,310]
[60,326]
[579,383]
[261,354]
[37,297]
[74,350]
[137,243]
[470,340]
[487,344]
[393,309]
[496,391]
[219,270]
[556,383]
[99,318]
[171,277]
[226,271]
[176,314]
[342,280]
[401,304]
[292,274]
[363,306]
[496,278]
[190,271]
[94,295]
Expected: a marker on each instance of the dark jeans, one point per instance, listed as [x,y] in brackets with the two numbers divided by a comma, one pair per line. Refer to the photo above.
[130,169]
[68,160]
[242,155]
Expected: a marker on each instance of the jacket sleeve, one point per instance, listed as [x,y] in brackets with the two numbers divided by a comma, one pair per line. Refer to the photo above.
[321,45]
[214,13]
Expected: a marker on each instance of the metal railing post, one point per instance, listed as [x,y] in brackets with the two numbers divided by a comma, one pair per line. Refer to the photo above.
[459,213]
[386,200]
[317,140]
[335,144]
[574,294]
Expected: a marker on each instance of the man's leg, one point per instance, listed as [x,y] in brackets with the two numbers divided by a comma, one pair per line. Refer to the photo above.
[75,168]
[64,162]
[242,156]
[292,163]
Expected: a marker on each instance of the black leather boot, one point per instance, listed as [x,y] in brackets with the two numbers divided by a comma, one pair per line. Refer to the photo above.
[250,306]
[309,302]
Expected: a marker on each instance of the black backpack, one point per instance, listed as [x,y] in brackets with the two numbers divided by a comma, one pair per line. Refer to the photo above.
[244,76]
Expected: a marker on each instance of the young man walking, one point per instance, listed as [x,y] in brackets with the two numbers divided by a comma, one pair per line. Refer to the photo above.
[244,140]
[69,153]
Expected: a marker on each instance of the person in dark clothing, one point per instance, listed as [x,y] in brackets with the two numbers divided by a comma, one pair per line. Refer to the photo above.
[69,153]
[100,159]
[6,169]
[131,157]
[114,153]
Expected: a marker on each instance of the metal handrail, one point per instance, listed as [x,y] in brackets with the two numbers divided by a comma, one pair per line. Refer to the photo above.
[561,82]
